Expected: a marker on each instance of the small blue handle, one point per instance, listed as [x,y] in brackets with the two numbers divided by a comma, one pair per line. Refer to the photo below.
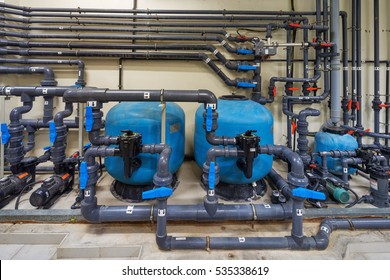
[5,136]
[83,175]
[53,132]
[87,146]
[244,51]
[88,118]
[246,85]
[305,193]
[212,175]
[209,119]
[157,193]
[46,148]
[246,67]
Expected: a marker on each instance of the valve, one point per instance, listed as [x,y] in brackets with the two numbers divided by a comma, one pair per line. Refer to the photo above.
[130,144]
[161,192]
[52,132]
[248,143]
[306,193]
[50,188]
[244,51]
[5,136]
[88,119]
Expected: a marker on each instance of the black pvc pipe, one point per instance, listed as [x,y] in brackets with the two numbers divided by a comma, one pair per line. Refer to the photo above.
[376,102]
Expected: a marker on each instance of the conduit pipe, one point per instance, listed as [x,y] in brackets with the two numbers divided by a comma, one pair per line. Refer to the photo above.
[335,61]
[80,64]
[49,79]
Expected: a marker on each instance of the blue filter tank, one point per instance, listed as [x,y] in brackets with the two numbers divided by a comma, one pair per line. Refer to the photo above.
[325,141]
[145,118]
[236,114]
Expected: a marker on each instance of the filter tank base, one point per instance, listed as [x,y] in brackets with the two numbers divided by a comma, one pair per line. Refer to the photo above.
[133,193]
[241,192]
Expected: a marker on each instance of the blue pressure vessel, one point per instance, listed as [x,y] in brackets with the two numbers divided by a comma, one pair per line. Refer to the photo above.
[236,114]
[325,141]
[145,118]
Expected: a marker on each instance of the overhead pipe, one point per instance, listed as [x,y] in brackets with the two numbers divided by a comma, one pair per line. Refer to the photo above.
[29,10]
[359,124]
[80,64]
[49,78]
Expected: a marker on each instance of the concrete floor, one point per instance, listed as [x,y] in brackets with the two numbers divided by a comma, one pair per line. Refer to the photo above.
[76,240]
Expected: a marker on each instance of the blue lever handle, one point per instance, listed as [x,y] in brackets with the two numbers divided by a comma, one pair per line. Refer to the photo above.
[83,175]
[305,193]
[244,51]
[246,67]
[52,132]
[209,119]
[212,175]
[246,85]
[5,136]
[88,119]
[157,193]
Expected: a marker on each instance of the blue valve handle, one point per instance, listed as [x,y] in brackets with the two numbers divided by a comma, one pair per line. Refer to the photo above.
[157,193]
[246,85]
[52,132]
[305,193]
[88,119]
[87,146]
[5,136]
[209,118]
[46,148]
[246,67]
[212,175]
[83,175]
[244,51]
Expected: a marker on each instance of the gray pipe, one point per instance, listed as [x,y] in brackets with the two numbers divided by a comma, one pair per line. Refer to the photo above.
[303,131]
[345,163]
[335,61]
[58,150]
[296,176]
[33,91]
[280,183]
[49,79]
[367,133]
[79,63]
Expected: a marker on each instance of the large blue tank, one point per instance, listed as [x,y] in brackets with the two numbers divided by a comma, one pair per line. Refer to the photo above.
[145,118]
[325,141]
[236,115]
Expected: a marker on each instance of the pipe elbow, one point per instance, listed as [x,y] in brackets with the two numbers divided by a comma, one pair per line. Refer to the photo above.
[164,242]
[90,211]
[207,97]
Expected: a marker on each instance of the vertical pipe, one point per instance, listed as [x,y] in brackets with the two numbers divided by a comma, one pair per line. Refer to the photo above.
[345,69]
[288,74]
[359,123]
[376,100]
[353,47]
[2,120]
[81,126]
[335,62]
[387,121]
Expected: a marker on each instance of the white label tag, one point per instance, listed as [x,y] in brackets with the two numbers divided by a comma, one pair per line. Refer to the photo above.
[241,239]
[267,206]
[92,104]
[181,238]
[323,228]
[299,212]
[130,209]
[213,106]
[87,193]
[161,212]
[146,95]
[44,91]
[211,192]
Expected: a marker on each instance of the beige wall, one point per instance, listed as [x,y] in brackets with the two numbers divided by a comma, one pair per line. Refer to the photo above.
[196,75]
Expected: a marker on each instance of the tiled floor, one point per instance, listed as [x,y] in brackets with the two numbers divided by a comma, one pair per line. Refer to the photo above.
[26,240]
